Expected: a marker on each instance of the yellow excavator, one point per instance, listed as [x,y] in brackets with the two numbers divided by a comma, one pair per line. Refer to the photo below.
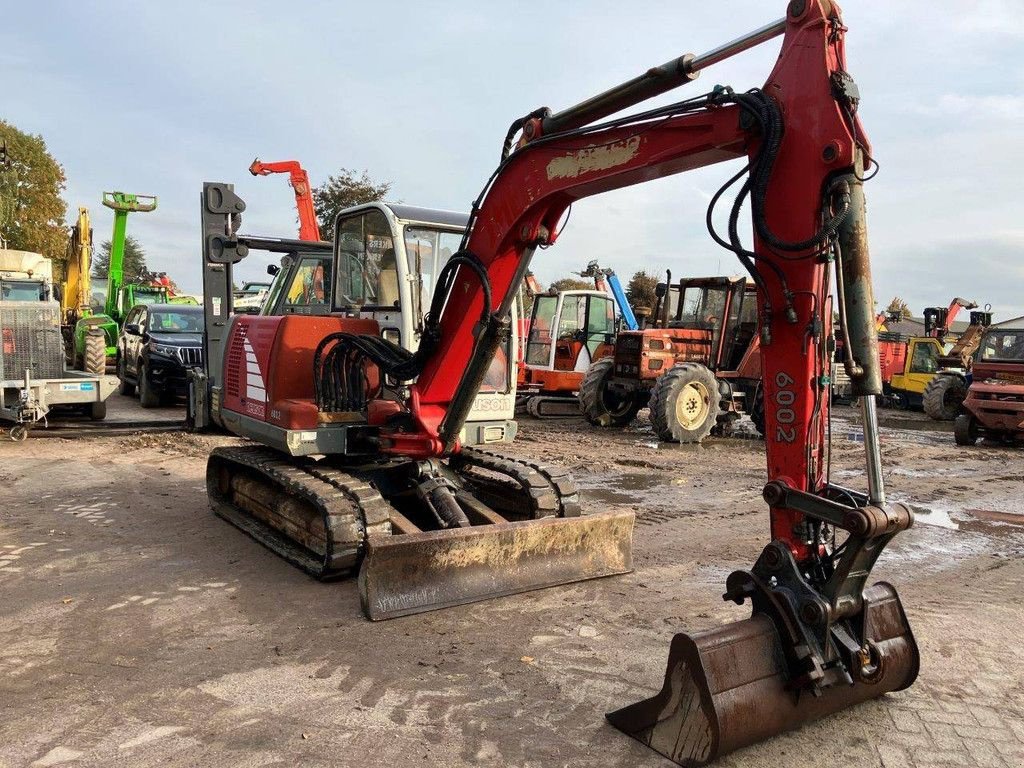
[75,299]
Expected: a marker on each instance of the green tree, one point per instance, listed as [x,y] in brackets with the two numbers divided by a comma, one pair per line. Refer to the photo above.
[898,308]
[640,290]
[31,208]
[341,191]
[570,284]
[135,269]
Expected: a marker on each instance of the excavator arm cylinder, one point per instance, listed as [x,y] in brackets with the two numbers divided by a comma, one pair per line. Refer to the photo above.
[857,297]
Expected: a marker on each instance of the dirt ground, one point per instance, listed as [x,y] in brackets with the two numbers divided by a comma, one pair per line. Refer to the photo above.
[137,629]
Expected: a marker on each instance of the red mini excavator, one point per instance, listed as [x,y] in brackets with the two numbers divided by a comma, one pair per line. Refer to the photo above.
[820,637]
[299,180]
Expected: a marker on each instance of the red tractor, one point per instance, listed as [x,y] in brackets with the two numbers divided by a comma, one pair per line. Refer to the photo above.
[995,400]
[698,367]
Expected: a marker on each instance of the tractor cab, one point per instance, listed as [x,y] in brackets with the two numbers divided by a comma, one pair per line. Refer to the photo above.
[709,320]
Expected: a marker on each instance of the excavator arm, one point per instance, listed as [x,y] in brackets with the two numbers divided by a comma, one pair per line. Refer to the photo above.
[299,180]
[820,638]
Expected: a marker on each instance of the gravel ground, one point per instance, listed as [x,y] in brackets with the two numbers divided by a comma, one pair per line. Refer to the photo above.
[137,629]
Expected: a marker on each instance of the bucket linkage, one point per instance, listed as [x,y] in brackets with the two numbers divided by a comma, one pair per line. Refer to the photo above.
[819,640]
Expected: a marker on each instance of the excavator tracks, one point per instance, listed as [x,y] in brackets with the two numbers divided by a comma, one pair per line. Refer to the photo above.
[527,531]
[522,489]
[316,518]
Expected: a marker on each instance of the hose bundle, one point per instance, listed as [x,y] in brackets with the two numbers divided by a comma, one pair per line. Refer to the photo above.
[340,380]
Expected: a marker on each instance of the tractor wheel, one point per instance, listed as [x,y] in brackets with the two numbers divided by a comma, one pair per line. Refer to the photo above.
[757,409]
[944,395]
[147,397]
[685,404]
[965,429]
[601,407]
[98,411]
[95,358]
[124,386]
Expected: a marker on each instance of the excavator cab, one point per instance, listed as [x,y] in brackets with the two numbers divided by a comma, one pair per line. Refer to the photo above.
[569,329]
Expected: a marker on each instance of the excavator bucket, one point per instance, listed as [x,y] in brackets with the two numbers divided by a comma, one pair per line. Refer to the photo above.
[728,687]
[412,573]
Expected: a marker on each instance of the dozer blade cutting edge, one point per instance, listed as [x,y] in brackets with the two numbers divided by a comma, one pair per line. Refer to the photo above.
[419,572]
[727,688]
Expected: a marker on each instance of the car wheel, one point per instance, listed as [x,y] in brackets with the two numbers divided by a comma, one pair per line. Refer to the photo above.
[148,398]
[124,386]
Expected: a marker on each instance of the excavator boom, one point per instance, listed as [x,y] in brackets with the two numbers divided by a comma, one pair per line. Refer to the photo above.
[820,637]
[299,180]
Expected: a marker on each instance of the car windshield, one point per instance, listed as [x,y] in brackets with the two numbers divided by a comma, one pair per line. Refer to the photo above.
[1002,345]
[167,321]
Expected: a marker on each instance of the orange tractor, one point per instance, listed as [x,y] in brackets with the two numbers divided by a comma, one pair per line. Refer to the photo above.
[698,367]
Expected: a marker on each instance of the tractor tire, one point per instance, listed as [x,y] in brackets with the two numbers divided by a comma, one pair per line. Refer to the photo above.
[147,397]
[601,407]
[98,411]
[124,386]
[685,404]
[757,409]
[94,360]
[965,429]
[944,396]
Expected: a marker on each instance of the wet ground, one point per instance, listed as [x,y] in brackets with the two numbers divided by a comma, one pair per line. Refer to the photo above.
[136,629]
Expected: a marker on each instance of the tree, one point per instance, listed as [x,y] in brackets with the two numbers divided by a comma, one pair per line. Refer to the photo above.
[570,284]
[31,208]
[342,191]
[135,269]
[640,290]
[898,308]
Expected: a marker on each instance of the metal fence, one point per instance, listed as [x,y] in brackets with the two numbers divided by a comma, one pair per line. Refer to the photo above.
[30,339]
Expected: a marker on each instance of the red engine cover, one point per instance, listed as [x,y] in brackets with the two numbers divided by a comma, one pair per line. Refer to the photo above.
[268,365]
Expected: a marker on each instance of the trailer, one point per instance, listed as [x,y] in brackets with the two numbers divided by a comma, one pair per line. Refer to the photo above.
[33,375]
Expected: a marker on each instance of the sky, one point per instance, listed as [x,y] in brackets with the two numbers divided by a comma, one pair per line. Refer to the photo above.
[156,98]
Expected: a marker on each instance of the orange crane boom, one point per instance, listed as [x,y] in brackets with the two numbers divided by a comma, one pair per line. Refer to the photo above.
[299,180]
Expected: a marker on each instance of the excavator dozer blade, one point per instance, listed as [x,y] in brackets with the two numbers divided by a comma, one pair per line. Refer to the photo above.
[726,688]
[413,573]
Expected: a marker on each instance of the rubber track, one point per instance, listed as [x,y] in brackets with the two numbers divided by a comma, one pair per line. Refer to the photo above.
[551,490]
[335,494]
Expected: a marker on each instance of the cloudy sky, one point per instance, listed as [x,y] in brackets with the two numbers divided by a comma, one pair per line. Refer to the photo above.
[155,98]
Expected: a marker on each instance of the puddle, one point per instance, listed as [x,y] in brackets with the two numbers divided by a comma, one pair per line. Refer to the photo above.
[591,496]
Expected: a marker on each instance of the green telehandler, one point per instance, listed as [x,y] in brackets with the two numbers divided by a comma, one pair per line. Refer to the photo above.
[121,297]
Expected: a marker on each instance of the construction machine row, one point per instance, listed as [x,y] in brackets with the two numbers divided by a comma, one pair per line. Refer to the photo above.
[375,383]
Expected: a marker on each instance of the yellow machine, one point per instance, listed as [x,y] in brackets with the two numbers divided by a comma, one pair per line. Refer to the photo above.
[933,374]
[74,299]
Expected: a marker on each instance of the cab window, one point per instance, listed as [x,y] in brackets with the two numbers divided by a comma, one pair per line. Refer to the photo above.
[538,345]
[428,250]
[367,266]
[925,358]
[600,322]
[307,292]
